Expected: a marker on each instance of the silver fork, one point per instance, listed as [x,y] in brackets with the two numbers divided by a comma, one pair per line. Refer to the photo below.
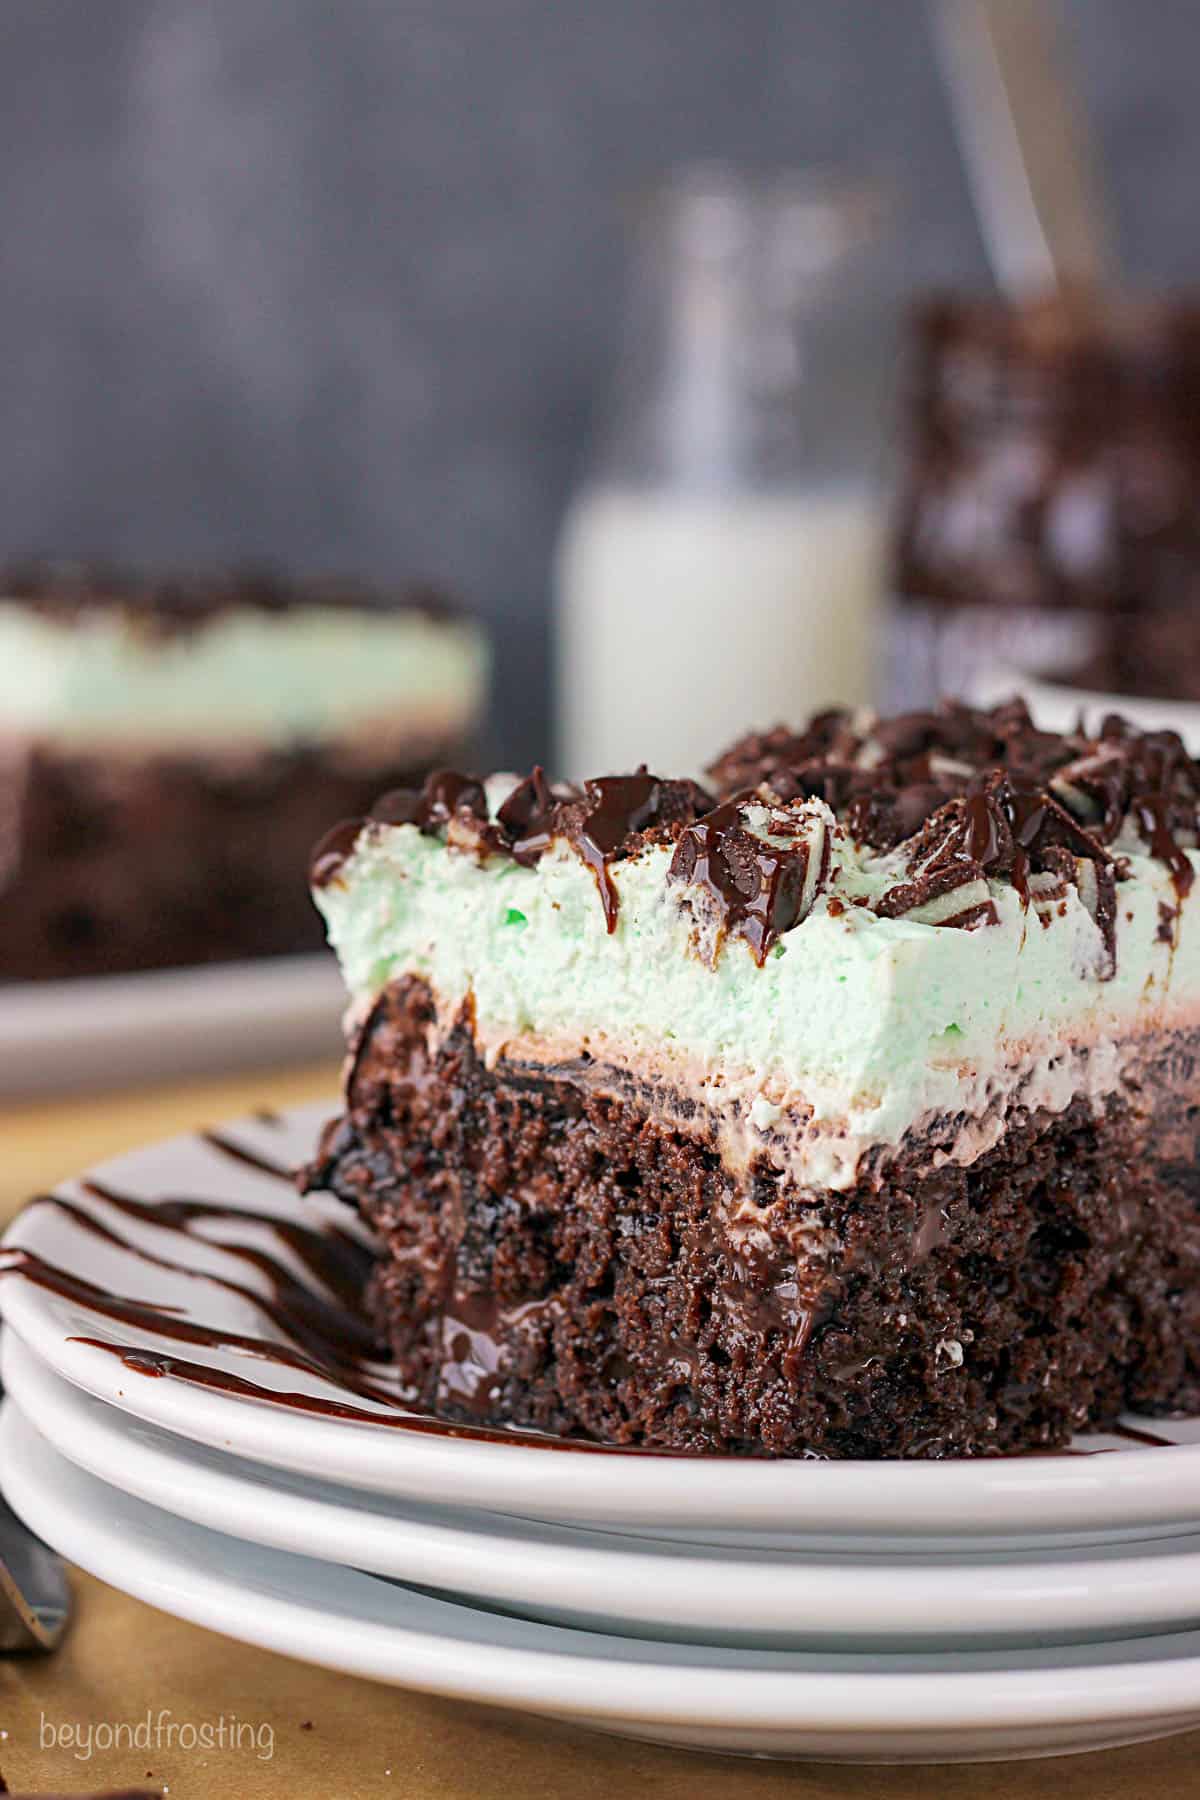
[35,1601]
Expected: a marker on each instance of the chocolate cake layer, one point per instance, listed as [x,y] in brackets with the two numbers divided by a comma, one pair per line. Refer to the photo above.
[557,1253]
[109,865]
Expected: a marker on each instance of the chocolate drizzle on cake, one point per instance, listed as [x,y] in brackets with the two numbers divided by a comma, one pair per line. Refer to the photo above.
[618,808]
[333,850]
[760,888]
[529,816]
[604,821]
[445,794]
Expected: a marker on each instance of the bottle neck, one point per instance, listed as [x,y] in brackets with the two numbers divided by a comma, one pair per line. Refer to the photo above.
[737,371]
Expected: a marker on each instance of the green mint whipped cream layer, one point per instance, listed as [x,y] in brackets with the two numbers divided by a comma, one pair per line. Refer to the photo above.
[855,1030]
[303,674]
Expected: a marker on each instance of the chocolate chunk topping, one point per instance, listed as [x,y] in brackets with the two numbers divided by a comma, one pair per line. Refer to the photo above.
[1153,815]
[1002,827]
[171,604]
[760,889]
[604,820]
[530,815]
[446,796]
[333,850]
[618,808]
[955,799]
[984,786]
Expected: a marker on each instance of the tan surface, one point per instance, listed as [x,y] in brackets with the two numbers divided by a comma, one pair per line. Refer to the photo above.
[123,1661]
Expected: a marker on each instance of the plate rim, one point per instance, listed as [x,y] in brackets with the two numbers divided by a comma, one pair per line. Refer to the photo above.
[935,1498]
[62,1036]
[614,1687]
[88,1433]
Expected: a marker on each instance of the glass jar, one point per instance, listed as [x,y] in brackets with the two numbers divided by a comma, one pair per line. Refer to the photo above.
[1049,514]
[721,567]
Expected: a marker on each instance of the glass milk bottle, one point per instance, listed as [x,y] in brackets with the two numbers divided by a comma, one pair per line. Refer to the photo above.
[721,567]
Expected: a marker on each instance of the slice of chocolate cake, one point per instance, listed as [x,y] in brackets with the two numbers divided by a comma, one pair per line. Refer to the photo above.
[851,1109]
[169,750]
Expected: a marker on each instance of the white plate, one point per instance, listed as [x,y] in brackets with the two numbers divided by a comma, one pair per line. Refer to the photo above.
[107,1029]
[962,1707]
[1131,1490]
[606,1582]
[1057,707]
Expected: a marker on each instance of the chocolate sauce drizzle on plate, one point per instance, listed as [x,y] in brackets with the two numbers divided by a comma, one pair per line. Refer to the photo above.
[326,1335]
[322,1330]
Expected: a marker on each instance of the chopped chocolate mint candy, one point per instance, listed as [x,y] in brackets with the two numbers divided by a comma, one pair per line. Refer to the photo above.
[756,886]
[618,808]
[530,815]
[333,850]
[988,794]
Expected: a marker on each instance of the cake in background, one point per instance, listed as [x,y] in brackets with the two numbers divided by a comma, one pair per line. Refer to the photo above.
[1049,510]
[170,750]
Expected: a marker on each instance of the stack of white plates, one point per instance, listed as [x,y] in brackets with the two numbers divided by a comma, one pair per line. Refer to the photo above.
[866,1611]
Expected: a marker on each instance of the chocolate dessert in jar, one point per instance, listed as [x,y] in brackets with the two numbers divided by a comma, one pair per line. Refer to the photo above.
[1048,519]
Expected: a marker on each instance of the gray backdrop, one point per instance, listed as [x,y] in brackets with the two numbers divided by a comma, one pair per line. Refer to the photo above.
[336,281]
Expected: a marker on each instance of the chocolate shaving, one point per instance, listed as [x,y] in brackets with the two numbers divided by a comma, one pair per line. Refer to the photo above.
[1154,822]
[962,880]
[958,798]
[529,816]
[444,794]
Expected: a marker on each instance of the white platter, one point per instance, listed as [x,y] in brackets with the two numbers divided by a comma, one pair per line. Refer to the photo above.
[617,1583]
[1130,1491]
[960,1707]
[56,1036]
